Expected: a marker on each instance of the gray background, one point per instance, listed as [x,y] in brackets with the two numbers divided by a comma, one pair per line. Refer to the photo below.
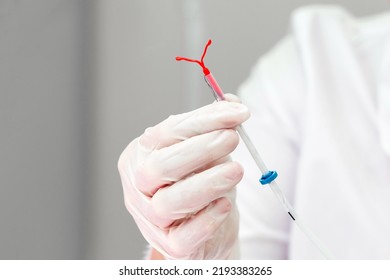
[80,79]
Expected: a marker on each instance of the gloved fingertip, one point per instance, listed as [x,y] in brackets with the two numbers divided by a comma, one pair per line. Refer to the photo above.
[223,205]
[235,171]
[232,98]
[240,110]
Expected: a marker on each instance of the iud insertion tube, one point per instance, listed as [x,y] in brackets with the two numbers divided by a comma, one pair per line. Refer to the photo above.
[268,177]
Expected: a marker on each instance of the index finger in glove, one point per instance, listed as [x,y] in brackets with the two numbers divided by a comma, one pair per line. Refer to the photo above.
[177,128]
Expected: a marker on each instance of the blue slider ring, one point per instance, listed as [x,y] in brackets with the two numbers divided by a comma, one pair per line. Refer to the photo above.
[268,177]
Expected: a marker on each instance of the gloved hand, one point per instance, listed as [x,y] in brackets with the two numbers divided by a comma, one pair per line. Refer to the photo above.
[179,184]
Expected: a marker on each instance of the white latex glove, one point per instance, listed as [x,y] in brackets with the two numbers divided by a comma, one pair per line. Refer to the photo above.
[179,184]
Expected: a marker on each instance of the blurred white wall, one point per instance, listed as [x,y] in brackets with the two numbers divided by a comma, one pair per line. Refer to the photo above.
[80,79]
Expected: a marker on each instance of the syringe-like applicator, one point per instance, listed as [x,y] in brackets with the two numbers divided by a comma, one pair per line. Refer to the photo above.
[268,177]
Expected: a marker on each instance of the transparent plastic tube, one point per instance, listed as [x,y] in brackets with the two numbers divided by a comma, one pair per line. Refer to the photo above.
[218,95]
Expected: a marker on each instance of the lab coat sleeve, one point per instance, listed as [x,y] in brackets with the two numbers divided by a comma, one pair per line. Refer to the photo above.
[273,93]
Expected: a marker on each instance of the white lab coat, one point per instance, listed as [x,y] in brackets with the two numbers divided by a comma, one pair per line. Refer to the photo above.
[320,103]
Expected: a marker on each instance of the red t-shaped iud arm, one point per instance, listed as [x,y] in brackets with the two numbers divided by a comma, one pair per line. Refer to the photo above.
[218,93]
[201,63]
